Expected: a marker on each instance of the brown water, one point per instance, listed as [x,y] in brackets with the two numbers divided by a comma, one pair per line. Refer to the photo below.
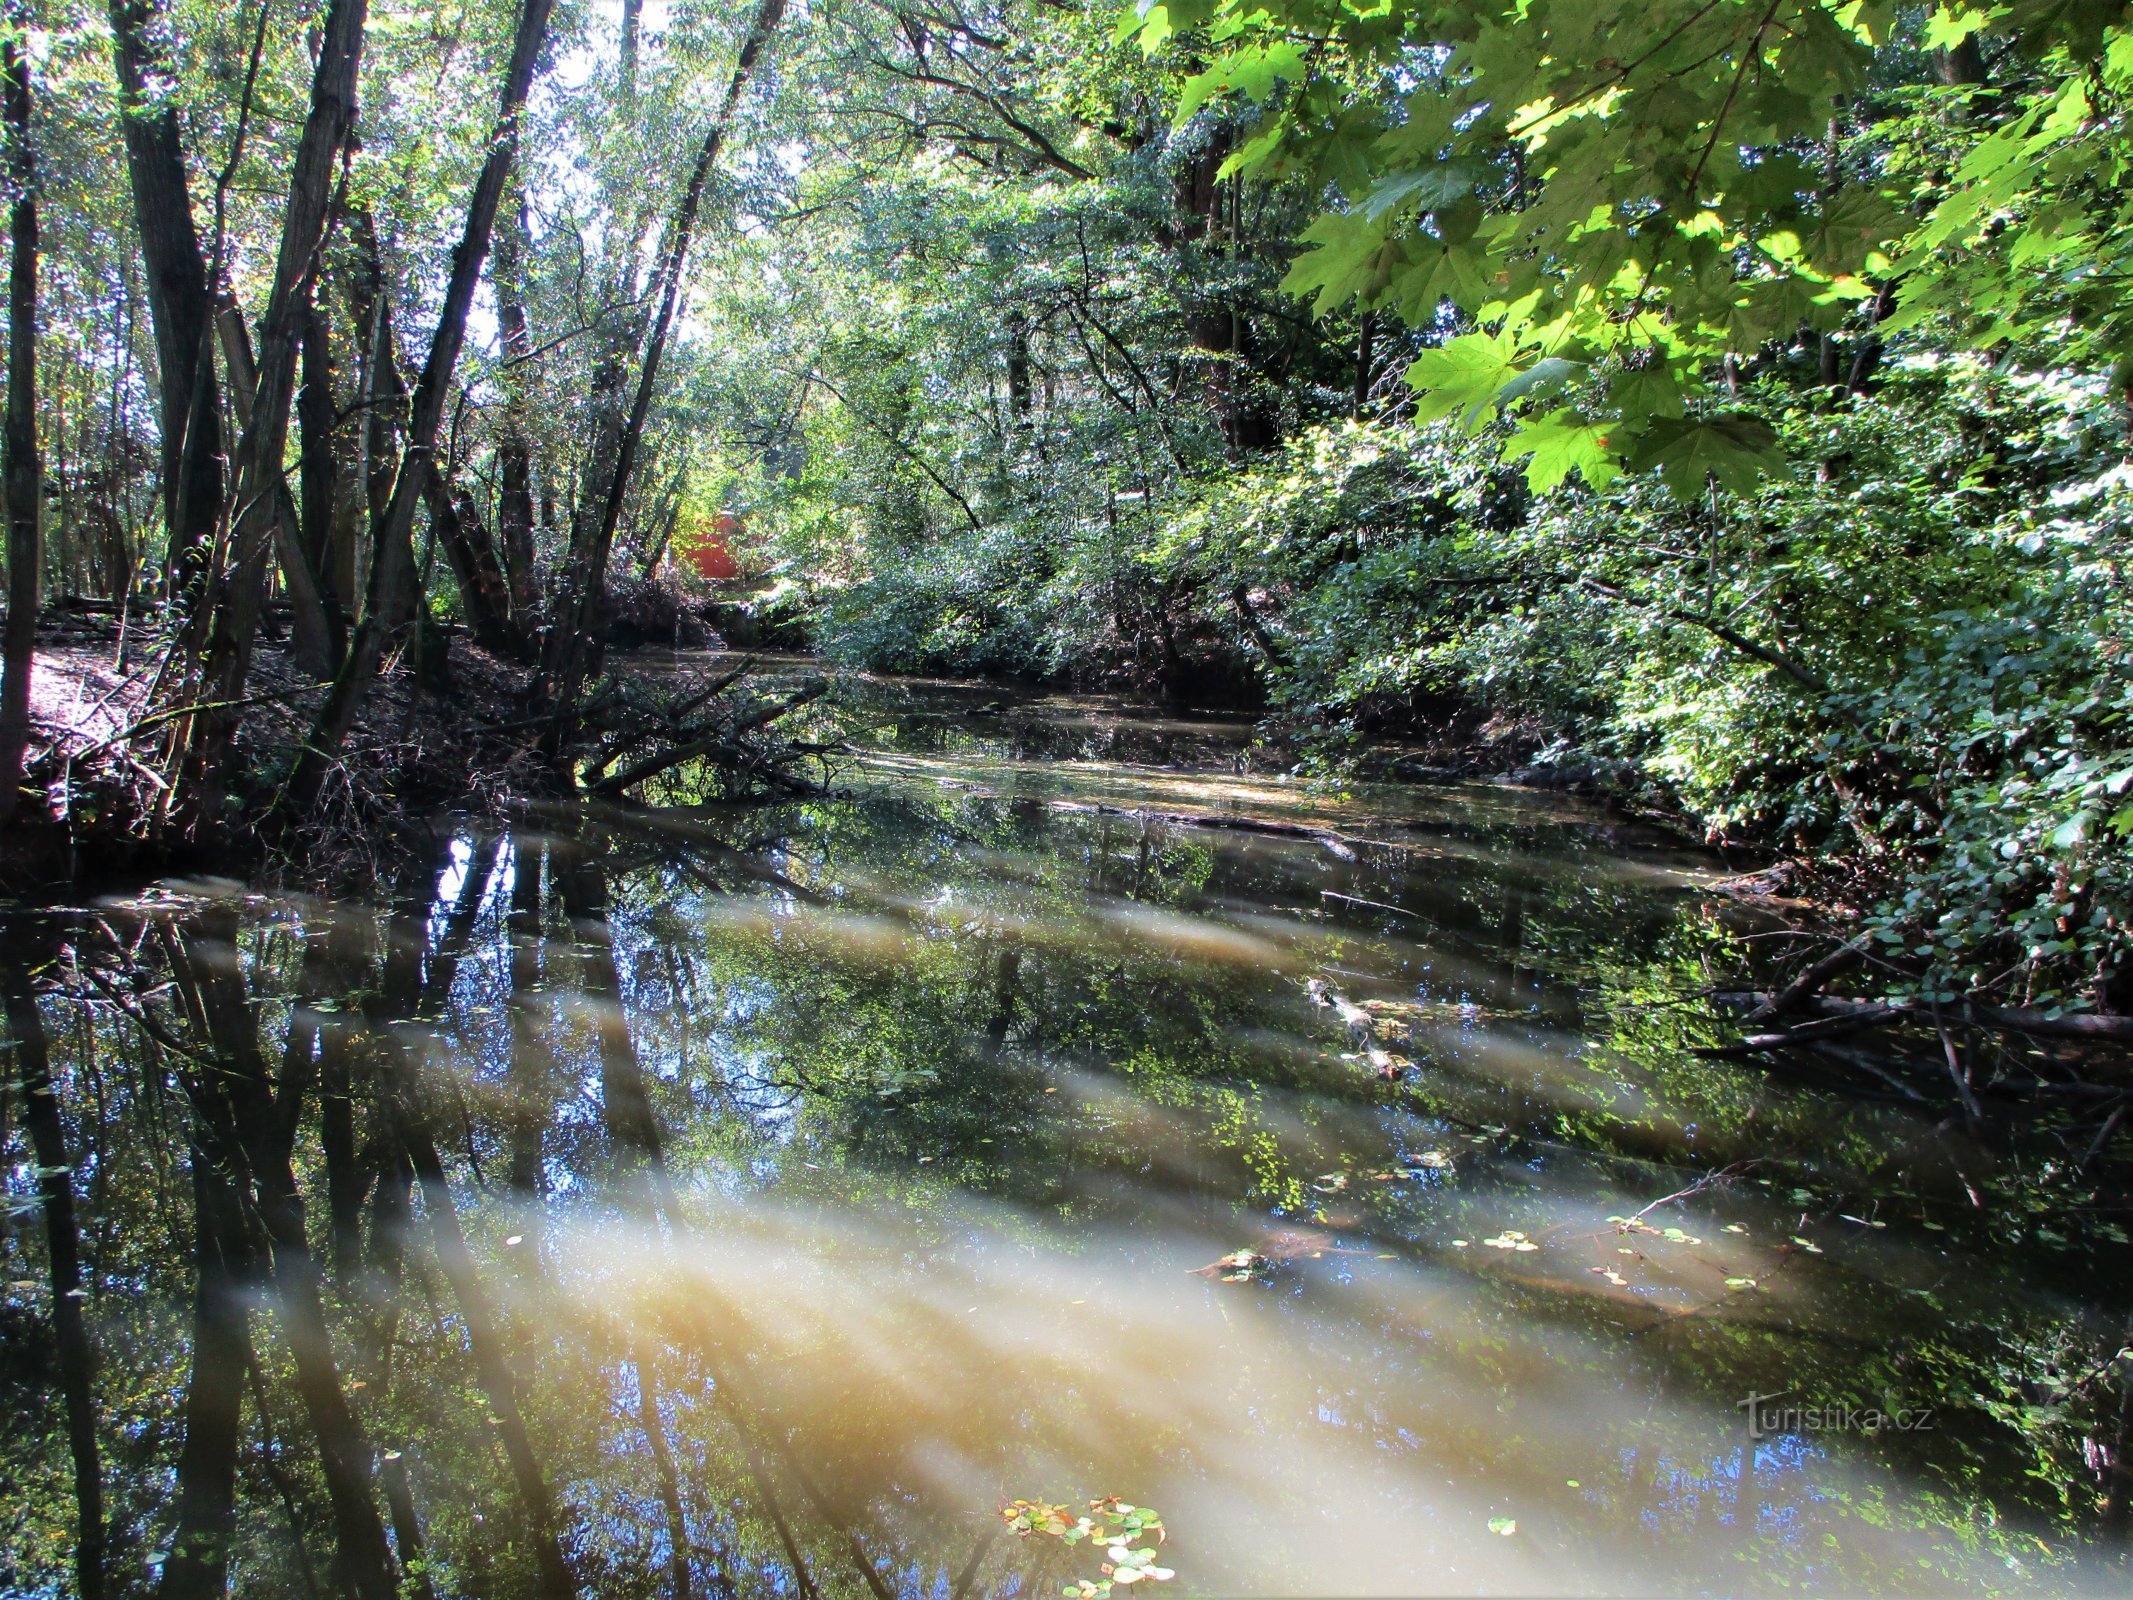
[754,1200]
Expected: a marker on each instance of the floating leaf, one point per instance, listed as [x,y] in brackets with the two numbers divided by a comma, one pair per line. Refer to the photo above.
[1503,1525]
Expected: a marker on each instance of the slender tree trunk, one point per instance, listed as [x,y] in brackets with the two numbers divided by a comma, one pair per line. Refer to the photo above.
[392,548]
[484,590]
[407,1526]
[574,643]
[21,470]
[237,596]
[514,448]
[180,305]
[318,469]
[314,638]
[48,1140]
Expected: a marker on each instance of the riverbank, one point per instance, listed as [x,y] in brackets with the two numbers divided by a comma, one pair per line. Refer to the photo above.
[458,740]
[459,733]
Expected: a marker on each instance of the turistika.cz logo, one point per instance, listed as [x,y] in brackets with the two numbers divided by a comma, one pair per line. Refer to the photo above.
[1767,1418]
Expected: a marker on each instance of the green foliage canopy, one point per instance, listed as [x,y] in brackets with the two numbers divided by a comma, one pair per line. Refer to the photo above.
[1609,207]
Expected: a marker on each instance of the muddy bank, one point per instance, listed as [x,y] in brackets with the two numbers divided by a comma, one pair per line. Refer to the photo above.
[451,735]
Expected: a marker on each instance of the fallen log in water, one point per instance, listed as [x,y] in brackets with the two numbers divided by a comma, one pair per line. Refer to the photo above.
[1202,819]
[1810,982]
[2087,1025]
[721,743]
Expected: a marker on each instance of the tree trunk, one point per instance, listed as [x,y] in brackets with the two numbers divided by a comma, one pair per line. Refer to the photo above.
[180,306]
[484,591]
[237,597]
[574,644]
[318,469]
[514,449]
[21,471]
[314,638]
[392,547]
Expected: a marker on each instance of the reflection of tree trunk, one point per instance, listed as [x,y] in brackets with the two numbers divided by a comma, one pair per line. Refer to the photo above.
[407,1527]
[1511,938]
[407,1109]
[532,1103]
[624,1098]
[40,1115]
[323,1043]
[270,1463]
[655,1434]
[1006,984]
[244,1119]
[197,1567]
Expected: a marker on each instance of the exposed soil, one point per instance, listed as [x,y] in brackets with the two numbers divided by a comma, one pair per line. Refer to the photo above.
[464,738]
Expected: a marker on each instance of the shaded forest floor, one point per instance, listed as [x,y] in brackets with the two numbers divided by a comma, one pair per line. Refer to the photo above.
[458,735]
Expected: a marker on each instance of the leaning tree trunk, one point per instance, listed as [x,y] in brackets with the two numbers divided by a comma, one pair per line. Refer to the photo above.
[392,545]
[180,305]
[514,447]
[574,643]
[20,469]
[209,735]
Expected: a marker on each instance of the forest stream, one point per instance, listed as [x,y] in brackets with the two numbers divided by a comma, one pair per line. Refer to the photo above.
[757,1199]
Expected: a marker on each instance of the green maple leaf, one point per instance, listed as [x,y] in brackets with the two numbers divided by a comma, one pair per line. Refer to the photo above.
[1557,445]
[1430,188]
[1352,257]
[1464,377]
[1737,448]
[1852,222]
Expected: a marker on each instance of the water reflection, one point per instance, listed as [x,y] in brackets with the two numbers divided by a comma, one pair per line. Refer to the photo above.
[699,1202]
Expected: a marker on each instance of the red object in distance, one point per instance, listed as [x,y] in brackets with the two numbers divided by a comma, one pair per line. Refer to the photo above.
[712,558]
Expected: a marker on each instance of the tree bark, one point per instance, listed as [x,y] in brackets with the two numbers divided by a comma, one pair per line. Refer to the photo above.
[574,646]
[21,468]
[315,641]
[392,548]
[240,590]
[180,305]
[318,469]
[484,590]
[514,447]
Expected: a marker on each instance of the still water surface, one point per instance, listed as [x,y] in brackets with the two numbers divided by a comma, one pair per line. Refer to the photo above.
[753,1200]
